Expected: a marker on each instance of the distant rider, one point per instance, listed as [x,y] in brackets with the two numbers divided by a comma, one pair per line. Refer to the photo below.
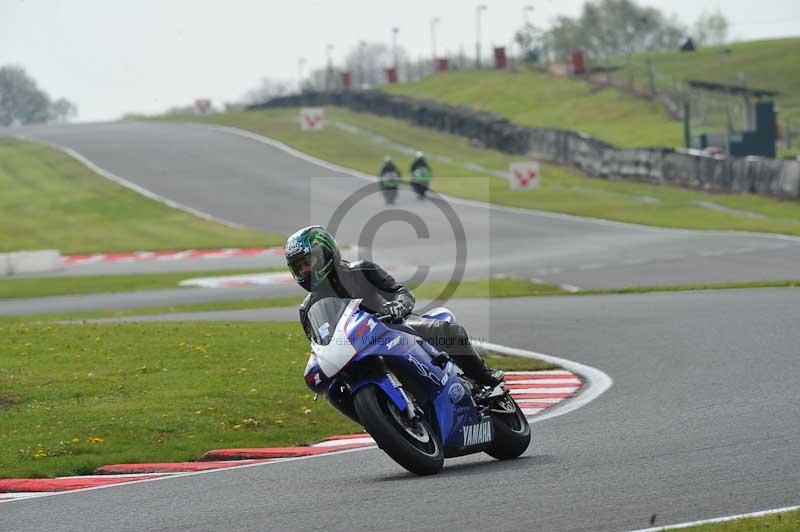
[389,169]
[420,174]
[316,264]
[420,162]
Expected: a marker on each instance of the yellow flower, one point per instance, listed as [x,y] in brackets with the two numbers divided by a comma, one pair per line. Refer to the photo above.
[95,440]
[198,412]
[75,440]
[242,370]
[237,427]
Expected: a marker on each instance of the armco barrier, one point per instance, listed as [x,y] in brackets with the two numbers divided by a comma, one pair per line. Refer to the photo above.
[689,168]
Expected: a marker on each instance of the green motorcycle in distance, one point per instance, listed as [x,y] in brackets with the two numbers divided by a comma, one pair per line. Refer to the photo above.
[420,181]
[390,182]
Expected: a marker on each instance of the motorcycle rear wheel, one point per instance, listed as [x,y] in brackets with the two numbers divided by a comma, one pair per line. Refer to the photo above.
[411,443]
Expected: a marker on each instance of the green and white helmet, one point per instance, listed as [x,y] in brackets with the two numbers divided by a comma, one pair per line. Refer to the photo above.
[311,254]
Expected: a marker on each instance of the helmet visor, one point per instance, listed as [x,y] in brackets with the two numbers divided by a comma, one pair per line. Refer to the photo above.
[306,266]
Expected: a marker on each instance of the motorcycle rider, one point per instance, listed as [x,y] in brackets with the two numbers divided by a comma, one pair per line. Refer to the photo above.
[389,179]
[389,169]
[313,257]
[420,174]
[420,162]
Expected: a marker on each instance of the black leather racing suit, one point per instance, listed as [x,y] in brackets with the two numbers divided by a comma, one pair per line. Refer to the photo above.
[369,282]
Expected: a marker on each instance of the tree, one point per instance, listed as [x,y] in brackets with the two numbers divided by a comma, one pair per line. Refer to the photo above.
[711,29]
[22,102]
[529,40]
[62,110]
[267,89]
[613,27]
[368,60]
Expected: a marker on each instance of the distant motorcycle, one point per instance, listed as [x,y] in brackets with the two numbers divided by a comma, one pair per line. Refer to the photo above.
[420,181]
[390,182]
[413,400]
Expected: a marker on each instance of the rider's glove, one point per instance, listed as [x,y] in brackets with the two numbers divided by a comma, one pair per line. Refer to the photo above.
[395,309]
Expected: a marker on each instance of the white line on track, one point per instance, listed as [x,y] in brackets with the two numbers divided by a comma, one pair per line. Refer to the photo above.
[596,382]
[720,519]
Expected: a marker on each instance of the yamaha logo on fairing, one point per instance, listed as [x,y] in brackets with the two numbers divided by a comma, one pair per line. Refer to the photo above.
[478,433]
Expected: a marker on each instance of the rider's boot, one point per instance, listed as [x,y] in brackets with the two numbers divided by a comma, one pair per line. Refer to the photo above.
[475,368]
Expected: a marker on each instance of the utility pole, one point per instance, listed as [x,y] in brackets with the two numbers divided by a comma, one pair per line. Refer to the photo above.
[525,10]
[300,64]
[434,22]
[478,10]
[362,68]
[329,74]
[394,47]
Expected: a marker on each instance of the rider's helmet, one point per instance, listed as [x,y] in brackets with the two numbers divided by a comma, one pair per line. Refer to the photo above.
[387,159]
[419,155]
[311,254]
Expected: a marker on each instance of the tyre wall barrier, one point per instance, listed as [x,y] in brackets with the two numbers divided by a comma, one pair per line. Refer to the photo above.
[18,262]
[688,168]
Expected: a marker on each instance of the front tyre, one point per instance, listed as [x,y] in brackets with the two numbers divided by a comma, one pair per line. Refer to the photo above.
[410,443]
[512,434]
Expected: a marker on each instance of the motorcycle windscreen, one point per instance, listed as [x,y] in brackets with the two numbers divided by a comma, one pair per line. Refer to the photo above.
[323,317]
[327,319]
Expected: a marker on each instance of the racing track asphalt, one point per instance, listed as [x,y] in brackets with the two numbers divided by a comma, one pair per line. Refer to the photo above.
[249,182]
[701,422]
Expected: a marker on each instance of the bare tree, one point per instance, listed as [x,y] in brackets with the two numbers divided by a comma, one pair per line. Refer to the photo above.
[711,29]
[368,60]
[266,90]
[62,110]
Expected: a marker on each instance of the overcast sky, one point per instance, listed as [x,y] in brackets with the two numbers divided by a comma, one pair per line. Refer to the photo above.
[114,56]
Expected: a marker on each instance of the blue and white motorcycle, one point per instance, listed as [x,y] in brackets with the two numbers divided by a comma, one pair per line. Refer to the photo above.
[413,400]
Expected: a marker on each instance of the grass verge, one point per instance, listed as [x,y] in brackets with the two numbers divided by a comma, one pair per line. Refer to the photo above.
[76,397]
[781,522]
[50,200]
[80,396]
[92,284]
[562,190]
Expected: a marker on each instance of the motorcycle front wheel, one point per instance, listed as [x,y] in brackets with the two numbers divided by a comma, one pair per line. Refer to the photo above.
[511,429]
[412,443]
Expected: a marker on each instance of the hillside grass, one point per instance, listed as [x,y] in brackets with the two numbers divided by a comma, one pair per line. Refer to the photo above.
[563,189]
[772,64]
[51,201]
[535,99]
[531,98]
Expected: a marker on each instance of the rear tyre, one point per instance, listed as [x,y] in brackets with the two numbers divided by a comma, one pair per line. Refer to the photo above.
[410,443]
[512,434]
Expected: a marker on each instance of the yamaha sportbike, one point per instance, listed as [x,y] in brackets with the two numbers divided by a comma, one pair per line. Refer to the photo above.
[413,400]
